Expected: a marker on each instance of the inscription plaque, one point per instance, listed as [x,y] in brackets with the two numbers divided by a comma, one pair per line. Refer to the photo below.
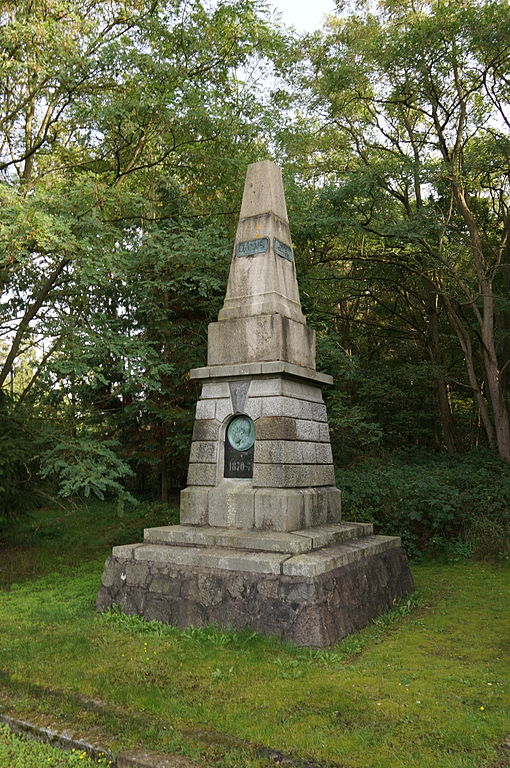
[282,249]
[239,447]
[252,247]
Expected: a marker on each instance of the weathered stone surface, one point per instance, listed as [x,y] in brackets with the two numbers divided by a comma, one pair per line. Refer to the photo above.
[256,540]
[141,758]
[315,510]
[276,428]
[287,428]
[210,557]
[279,405]
[231,504]
[251,369]
[224,408]
[290,452]
[164,582]
[238,394]
[278,509]
[319,412]
[206,429]
[253,407]
[308,430]
[195,505]
[324,560]
[135,573]
[323,453]
[125,550]
[186,535]
[202,474]
[301,390]
[265,386]
[317,610]
[214,389]
[334,505]
[260,338]
[204,452]
[292,475]
[340,533]
[264,283]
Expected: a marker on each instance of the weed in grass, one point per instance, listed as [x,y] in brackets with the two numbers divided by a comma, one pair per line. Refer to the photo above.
[19,752]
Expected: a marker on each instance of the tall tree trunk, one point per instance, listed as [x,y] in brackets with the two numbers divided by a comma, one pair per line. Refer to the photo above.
[493,377]
[467,349]
[432,308]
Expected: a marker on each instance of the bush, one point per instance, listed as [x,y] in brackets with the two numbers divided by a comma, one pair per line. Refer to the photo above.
[18,460]
[434,502]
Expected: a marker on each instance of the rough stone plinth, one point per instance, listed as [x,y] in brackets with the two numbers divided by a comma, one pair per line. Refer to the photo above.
[314,610]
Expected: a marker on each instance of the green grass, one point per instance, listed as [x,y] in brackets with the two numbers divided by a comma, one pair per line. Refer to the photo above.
[19,752]
[56,538]
[426,686]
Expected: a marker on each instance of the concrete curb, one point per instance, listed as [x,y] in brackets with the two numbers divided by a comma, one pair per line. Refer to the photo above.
[138,758]
[63,740]
[130,758]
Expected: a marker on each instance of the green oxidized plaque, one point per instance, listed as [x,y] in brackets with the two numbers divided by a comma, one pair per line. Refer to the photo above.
[282,249]
[241,433]
[252,247]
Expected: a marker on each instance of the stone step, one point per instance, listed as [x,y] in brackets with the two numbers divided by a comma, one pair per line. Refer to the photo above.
[306,565]
[292,542]
[206,557]
[337,555]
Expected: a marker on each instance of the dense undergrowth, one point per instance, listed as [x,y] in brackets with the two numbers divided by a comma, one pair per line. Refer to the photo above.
[453,506]
[56,537]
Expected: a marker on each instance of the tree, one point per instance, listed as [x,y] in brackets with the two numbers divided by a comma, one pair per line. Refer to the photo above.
[122,126]
[414,153]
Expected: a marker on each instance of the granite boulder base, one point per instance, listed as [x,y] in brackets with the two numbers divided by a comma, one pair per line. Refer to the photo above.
[261,543]
[361,580]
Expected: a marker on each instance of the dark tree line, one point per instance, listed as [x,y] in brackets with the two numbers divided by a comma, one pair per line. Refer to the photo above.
[125,131]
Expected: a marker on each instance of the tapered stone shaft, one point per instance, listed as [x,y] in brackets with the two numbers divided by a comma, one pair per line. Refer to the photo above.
[261,318]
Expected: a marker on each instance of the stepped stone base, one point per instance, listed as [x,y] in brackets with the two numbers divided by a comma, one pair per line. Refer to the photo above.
[310,587]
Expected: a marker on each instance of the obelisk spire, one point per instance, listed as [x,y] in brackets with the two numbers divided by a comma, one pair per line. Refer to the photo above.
[262,278]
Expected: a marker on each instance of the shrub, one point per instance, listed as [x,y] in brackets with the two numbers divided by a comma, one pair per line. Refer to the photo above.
[433,501]
[18,483]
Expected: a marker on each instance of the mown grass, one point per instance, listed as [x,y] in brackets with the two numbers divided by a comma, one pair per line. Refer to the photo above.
[426,686]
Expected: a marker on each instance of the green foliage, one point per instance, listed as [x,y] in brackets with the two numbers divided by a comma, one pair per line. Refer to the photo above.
[404,235]
[86,465]
[434,502]
[53,537]
[18,464]
[122,132]
[19,752]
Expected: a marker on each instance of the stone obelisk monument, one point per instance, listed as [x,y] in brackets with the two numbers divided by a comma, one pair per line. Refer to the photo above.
[261,543]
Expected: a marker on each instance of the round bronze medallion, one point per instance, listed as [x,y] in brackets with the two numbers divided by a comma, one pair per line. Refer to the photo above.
[241,433]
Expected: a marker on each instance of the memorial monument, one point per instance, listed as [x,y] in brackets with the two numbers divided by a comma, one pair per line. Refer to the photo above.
[261,543]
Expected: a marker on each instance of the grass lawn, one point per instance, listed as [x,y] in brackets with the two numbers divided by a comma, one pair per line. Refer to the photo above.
[427,686]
